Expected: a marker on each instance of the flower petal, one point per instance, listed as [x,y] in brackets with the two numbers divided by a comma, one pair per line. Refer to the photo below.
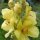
[20,36]
[33,32]
[32,14]
[6,26]
[23,37]
[30,19]
[29,22]
[10,31]
[7,13]
[17,33]
[13,20]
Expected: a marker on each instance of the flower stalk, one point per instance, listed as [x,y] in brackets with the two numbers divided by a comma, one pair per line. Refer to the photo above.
[20,20]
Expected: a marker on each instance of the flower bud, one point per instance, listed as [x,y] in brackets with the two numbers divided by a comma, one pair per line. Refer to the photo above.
[11,4]
[17,8]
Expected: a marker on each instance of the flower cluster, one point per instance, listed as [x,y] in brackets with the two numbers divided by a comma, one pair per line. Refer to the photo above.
[19,20]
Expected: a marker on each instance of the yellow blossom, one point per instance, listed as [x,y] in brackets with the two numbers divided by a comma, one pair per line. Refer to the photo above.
[21,16]
[33,32]
[33,14]
[20,36]
[7,13]
[6,26]
[30,19]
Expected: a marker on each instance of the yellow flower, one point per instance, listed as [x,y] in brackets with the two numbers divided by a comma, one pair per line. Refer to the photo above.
[33,32]
[7,13]
[30,19]
[25,27]
[6,25]
[32,14]
[20,36]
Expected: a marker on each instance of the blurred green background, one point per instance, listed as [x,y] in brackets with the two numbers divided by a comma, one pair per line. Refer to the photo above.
[35,6]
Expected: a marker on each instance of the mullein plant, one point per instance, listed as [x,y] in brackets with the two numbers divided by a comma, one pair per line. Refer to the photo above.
[20,20]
